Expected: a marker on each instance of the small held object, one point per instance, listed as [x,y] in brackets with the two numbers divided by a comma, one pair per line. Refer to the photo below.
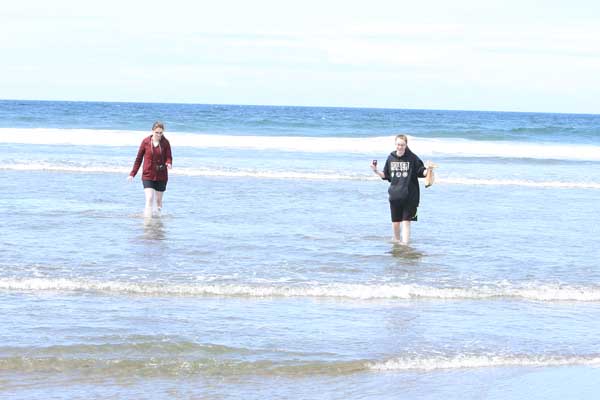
[375,163]
[429,179]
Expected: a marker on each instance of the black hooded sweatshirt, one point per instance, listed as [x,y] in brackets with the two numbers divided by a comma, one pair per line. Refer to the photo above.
[403,173]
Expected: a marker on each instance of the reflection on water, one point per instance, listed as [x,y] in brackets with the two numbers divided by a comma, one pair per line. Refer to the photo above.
[405,252]
[154,229]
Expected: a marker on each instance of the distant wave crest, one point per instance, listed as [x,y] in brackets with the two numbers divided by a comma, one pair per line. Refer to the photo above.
[365,145]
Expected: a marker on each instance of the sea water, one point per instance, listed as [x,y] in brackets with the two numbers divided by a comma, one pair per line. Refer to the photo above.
[270,273]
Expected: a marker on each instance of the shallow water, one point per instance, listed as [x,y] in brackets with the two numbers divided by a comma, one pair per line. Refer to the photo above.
[271,274]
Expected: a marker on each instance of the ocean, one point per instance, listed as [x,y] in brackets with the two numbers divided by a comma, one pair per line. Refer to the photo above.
[271,273]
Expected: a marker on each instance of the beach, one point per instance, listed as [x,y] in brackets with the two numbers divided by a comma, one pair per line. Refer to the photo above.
[271,274]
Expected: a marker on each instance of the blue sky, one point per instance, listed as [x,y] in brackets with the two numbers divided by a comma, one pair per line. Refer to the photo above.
[475,55]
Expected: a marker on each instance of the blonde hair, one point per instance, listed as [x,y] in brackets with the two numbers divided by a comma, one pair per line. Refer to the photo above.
[401,136]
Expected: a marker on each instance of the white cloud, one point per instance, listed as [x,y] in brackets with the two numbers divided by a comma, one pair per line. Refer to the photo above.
[320,53]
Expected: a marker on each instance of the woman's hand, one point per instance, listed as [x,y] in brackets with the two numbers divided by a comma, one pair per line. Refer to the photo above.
[374,168]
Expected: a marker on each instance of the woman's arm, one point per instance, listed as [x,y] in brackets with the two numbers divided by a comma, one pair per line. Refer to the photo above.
[169,157]
[138,160]
[379,173]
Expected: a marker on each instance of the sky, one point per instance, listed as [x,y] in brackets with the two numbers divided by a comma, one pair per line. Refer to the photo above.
[456,55]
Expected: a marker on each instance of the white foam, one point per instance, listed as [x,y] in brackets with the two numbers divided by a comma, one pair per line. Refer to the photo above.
[51,167]
[293,175]
[480,361]
[518,182]
[530,291]
[271,174]
[88,137]
[381,145]
[79,137]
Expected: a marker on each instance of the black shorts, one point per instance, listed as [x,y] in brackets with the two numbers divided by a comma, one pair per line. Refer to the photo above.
[402,212]
[159,186]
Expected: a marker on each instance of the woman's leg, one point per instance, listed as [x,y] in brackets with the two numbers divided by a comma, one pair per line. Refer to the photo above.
[150,194]
[405,232]
[159,197]
[396,229]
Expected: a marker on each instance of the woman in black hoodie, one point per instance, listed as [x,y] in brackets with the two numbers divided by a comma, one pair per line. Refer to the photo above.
[402,169]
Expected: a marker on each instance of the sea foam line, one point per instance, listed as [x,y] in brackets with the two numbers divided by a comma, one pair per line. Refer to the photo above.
[151,364]
[519,182]
[379,145]
[480,361]
[352,291]
[209,172]
[296,175]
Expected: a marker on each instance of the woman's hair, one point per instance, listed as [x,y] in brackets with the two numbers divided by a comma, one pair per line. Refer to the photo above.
[158,124]
[401,136]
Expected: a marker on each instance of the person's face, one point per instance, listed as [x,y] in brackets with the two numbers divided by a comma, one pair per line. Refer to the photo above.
[157,132]
[400,147]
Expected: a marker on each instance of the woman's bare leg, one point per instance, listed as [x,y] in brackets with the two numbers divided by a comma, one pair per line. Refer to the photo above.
[159,203]
[396,229]
[405,232]
[150,194]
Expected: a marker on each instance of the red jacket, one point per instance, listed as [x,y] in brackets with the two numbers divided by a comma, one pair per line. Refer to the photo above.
[153,159]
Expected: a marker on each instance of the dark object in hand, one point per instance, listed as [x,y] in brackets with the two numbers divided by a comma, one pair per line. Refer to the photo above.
[375,163]
[160,167]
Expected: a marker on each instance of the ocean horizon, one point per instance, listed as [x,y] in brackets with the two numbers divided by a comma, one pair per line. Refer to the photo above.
[387,108]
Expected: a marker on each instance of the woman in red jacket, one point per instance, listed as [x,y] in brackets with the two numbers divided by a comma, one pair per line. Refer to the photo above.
[155,151]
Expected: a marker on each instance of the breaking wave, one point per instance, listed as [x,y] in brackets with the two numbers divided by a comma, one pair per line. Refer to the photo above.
[295,175]
[531,291]
[367,145]
[480,361]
